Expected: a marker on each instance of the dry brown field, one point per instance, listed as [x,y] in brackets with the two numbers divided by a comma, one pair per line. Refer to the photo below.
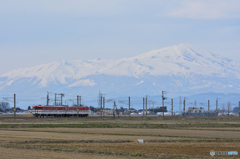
[95,137]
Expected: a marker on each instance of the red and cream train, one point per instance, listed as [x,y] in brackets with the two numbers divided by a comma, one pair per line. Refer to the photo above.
[59,111]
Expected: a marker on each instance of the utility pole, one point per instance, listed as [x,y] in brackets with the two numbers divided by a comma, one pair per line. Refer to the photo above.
[80,101]
[146,106]
[208,107]
[129,111]
[55,99]
[103,106]
[14,106]
[77,106]
[47,98]
[172,107]
[217,107]
[143,106]
[114,109]
[184,107]
[163,98]
[62,95]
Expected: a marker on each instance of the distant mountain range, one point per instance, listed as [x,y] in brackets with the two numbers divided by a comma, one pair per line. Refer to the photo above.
[179,69]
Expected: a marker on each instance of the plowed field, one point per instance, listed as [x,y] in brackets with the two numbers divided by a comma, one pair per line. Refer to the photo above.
[108,138]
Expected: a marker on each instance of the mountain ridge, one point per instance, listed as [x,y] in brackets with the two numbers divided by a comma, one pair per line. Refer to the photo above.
[181,67]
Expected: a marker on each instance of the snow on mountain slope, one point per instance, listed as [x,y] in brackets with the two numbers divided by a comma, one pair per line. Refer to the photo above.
[182,60]
[56,71]
[186,60]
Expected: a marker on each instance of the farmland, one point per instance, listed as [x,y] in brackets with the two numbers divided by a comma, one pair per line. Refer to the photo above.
[96,137]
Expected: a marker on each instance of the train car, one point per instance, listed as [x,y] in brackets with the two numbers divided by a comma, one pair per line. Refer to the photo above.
[59,111]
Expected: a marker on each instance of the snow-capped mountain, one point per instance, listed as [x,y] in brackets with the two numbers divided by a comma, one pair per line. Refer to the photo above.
[180,68]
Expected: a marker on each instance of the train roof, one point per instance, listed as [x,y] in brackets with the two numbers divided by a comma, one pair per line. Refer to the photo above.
[57,106]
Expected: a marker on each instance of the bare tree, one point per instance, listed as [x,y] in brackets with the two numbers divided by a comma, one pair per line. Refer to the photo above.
[229,107]
[223,108]
[4,106]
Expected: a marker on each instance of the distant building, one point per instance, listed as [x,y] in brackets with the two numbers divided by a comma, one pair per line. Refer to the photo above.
[195,110]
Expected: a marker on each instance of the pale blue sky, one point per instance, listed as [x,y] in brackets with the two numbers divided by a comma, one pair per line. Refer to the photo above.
[42,31]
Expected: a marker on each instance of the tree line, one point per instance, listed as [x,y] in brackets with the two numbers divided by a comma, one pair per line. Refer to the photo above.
[5,107]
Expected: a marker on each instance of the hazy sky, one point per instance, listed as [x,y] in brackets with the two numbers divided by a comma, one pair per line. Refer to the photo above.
[33,32]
